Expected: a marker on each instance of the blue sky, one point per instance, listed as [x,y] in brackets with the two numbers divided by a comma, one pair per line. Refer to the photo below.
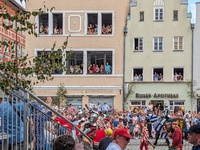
[192,8]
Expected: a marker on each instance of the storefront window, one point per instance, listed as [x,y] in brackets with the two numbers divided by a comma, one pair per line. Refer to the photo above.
[177,105]
[75,101]
[138,103]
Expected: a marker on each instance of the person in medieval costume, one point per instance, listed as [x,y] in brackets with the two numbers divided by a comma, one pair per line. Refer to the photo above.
[166,116]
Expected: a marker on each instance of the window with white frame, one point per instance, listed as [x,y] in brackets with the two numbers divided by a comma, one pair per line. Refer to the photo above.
[158,43]
[18,50]
[6,46]
[158,74]
[137,74]
[99,62]
[104,27]
[141,103]
[5,21]
[177,105]
[75,62]
[57,23]
[49,62]
[138,44]
[44,24]
[158,14]
[178,43]
[18,26]
[23,51]
[92,23]
[178,74]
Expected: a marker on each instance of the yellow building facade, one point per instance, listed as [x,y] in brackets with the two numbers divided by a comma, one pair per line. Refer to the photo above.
[159,54]
[96,38]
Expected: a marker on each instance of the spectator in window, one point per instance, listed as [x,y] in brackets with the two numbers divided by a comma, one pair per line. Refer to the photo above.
[90,69]
[93,68]
[109,31]
[108,68]
[104,30]
[161,77]
[60,31]
[175,76]
[136,48]
[101,69]
[180,77]
[136,78]
[47,29]
[97,69]
[155,77]
[41,29]
[90,29]
[140,77]
[71,69]
[96,28]
[55,30]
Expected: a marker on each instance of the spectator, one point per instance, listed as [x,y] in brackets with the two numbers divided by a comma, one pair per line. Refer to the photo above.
[155,77]
[161,77]
[120,140]
[71,109]
[103,144]
[99,107]
[90,69]
[97,69]
[141,117]
[140,77]
[55,107]
[115,123]
[194,136]
[136,78]
[108,68]
[136,129]
[91,105]
[101,69]
[150,106]
[125,122]
[131,122]
[144,136]
[93,68]
[175,76]
[64,142]
[105,107]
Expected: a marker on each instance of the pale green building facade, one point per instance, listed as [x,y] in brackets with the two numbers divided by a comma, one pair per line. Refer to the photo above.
[158,54]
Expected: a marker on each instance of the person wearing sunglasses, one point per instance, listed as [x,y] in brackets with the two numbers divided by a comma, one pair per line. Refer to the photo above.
[194,136]
[121,139]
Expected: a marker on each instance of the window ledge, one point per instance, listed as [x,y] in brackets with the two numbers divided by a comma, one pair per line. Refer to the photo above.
[137,51]
[141,20]
[61,35]
[158,51]
[158,20]
[159,82]
[178,50]
[174,20]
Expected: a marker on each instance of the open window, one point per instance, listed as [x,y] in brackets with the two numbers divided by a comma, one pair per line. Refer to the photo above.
[18,50]
[44,24]
[58,23]
[106,23]
[141,15]
[74,63]
[139,104]
[49,62]
[178,74]
[92,24]
[158,74]
[138,44]
[175,15]
[6,48]
[138,74]
[99,62]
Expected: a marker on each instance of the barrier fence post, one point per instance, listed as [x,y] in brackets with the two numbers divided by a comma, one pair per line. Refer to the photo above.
[26,120]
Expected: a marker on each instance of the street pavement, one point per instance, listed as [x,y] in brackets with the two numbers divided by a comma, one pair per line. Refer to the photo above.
[135,145]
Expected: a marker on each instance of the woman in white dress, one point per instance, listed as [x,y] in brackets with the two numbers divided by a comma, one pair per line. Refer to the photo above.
[150,106]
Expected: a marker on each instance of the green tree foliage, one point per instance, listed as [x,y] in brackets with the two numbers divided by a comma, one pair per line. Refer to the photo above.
[28,66]
[61,94]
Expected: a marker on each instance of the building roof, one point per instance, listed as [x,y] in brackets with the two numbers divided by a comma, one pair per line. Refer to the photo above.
[14,4]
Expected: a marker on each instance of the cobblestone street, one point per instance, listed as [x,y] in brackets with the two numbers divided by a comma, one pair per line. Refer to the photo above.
[135,145]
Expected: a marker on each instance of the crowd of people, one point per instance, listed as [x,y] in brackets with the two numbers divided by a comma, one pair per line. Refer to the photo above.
[93,29]
[100,70]
[138,77]
[158,77]
[45,30]
[178,77]
[75,69]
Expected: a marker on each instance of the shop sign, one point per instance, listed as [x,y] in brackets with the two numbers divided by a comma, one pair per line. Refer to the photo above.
[156,95]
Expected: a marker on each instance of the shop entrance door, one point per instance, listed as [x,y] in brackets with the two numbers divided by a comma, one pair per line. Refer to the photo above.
[156,103]
[198,105]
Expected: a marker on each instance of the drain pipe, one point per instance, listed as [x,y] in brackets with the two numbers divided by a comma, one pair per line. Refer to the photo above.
[192,27]
[125,32]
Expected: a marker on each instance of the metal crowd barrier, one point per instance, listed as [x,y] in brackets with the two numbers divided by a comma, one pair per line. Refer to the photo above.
[25,125]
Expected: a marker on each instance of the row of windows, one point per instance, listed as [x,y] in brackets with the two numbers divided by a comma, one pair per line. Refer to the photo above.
[159,14]
[97,23]
[158,74]
[11,48]
[138,43]
[97,62]
[8,23]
